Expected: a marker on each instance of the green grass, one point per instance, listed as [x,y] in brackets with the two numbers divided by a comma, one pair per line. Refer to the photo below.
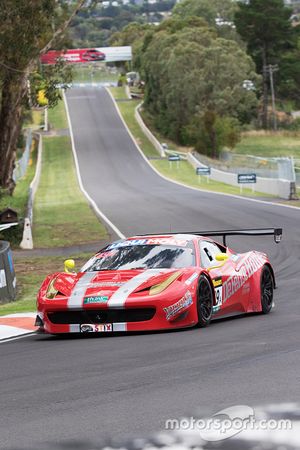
[30,273]
[270,144]
[127,110]
[57,116]
[186,174]
[62,216]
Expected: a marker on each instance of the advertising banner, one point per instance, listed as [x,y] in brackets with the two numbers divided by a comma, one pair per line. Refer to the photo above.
[88,55]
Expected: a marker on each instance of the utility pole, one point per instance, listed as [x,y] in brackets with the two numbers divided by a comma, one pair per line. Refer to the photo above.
[270,69]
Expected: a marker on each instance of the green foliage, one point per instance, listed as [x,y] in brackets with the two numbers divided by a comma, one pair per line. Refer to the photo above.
[47,79]
[266,28]
[209,132]
[210,10]
[191,73]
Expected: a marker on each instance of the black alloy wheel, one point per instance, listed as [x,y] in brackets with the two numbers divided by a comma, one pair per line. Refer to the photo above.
[205,301]
[266,289]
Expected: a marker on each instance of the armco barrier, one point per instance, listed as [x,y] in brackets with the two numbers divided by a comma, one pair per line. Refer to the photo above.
[8,281]
[147,132]
[273,186]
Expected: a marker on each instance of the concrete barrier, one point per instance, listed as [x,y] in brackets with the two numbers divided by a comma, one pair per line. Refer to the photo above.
[27,241]
[147,132]
[8,282]
[273,186]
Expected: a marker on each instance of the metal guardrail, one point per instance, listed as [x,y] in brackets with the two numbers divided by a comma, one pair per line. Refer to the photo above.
[8,282]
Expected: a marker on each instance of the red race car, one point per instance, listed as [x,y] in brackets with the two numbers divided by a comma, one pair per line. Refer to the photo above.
[158,282]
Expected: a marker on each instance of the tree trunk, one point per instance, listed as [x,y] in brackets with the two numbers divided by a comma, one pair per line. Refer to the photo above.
[13,92]
[265,89]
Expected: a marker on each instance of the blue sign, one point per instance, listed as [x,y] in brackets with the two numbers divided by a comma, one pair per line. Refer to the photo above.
[174,158]
[246,178]
[203,171]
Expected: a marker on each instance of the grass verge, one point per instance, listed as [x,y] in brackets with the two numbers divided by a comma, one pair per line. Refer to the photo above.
[186,173]
[270,144]
[57,116]
[62,216]
[30,274]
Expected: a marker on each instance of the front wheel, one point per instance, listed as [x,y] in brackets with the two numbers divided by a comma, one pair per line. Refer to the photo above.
[266,289]
[205,302]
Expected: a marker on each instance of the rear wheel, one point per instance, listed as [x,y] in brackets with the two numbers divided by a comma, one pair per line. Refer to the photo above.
[205,301]
[266,289]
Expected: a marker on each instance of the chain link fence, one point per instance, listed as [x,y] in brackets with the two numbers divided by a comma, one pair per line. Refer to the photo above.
[22,163]
[278,168]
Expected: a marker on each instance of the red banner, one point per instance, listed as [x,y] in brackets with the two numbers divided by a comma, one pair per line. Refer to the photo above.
[82,55]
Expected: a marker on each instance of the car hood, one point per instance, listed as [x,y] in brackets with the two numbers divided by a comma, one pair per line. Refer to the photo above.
[106,283]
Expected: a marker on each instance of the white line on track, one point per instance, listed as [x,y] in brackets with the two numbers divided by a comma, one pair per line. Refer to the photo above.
[185,185]
[16,338]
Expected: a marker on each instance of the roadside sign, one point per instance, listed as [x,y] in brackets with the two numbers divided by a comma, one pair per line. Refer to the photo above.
[203,171]
[246,178]
[174,158]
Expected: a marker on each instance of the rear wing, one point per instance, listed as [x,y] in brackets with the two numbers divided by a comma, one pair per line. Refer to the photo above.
[276,232]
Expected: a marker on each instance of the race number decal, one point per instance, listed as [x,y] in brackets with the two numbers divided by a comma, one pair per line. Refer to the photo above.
[217,282]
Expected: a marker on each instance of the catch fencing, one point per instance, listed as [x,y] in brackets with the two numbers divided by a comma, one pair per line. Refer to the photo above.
[278,187]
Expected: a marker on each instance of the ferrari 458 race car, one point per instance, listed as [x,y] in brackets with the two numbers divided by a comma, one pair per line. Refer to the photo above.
[158,282]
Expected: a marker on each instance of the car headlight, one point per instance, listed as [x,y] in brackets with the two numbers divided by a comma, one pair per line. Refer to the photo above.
[51,291]
[160,287]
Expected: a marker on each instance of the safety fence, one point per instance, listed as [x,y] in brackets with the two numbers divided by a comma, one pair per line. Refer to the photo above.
[274,176]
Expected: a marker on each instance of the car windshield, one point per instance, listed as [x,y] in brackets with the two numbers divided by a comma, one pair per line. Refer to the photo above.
[142,257]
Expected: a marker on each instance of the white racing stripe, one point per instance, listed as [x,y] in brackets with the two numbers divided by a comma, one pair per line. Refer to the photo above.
[76,298]
[120,296]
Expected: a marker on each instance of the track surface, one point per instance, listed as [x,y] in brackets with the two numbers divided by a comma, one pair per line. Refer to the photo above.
[54,389]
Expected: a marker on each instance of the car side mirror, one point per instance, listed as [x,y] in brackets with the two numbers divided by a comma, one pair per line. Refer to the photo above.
[221,257]
[69,265]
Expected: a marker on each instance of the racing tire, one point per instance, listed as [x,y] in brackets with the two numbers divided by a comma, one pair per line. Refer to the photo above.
[266,289]
[205,300]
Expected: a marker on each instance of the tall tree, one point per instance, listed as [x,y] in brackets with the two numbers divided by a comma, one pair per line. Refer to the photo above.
[28,29]
[210,10]
[266,28]
[191,73]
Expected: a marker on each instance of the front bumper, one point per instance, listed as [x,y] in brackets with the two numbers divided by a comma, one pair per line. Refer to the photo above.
[136,317]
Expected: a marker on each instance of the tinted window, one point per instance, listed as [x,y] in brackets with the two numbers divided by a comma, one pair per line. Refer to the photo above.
[142,257]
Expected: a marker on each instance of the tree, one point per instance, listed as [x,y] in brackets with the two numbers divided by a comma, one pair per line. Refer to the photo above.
[28,29]
[210,10]
[191,73]
[265,26]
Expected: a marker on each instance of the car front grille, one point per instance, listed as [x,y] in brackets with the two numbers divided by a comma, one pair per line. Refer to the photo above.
[101,316]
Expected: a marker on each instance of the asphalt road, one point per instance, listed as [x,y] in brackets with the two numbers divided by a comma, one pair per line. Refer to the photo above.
[55,389]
